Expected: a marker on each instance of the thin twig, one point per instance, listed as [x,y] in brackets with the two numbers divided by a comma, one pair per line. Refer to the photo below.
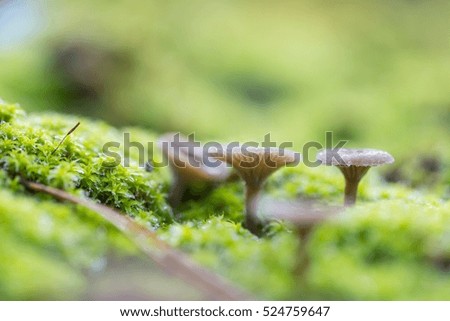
[64,138]
[168,258]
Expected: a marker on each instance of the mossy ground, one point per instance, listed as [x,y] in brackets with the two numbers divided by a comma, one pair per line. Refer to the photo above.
[384,248]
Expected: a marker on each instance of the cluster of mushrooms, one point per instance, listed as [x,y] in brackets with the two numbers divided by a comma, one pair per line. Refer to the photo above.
[254,165]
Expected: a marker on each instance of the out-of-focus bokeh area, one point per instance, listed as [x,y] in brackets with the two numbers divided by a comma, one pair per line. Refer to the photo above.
[376,73]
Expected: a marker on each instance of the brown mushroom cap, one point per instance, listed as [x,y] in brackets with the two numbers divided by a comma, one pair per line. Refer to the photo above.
[188,163]
[355,157]
[255,164]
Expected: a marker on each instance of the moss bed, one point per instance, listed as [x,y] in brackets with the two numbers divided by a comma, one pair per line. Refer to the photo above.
[393,245]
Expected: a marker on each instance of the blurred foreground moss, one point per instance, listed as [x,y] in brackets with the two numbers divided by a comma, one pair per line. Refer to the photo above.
[48,249]
[393,245]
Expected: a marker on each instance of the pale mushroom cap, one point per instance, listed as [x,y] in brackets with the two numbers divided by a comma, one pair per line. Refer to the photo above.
[189,163]
[355,157]
[256,156]
[298,213]
[255,164]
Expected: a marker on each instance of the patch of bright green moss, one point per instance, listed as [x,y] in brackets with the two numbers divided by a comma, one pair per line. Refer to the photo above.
[381,249]
[226,201]
[326,184]
[264,266]
[377,250]
[27,145]
[46,247]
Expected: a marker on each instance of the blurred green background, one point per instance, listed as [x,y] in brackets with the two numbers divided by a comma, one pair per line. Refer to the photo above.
[376,73]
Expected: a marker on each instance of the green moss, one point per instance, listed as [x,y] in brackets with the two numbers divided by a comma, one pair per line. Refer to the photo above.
[378,250]
[8,112]
[27,145]
[48,247]
[263,266]
[27,273]
[226,201]
[384,248]
[321,183]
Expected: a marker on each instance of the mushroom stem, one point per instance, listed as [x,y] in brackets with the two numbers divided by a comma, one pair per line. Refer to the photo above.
[353,175]
[251,221]
[304,217]
[176,192]
[303,260]
[254,165]
[351,190]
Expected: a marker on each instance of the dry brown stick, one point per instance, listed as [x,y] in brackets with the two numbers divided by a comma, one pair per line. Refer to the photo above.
[65,136]
[168,258]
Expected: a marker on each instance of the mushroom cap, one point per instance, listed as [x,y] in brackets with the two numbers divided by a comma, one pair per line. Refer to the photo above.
[188,163]
[364,157]
[302,214]
[255,164]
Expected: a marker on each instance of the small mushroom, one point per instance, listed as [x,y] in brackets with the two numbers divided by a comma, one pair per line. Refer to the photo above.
[354,164]
[186,161]
[254,165]
[303,217]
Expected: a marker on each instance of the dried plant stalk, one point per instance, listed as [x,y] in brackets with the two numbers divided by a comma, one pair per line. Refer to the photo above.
[169,259]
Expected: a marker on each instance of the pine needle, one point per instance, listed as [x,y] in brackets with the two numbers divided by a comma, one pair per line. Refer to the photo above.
[64,138]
